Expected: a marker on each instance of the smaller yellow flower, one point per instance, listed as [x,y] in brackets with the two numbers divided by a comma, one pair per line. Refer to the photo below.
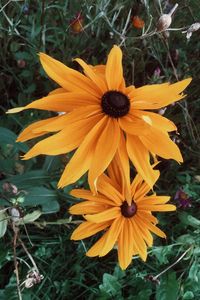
[125,222]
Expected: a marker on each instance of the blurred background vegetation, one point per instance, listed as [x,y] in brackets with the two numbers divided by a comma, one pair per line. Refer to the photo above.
[35,228]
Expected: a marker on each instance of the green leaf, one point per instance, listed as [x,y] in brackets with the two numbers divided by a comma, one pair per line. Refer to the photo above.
[41,196]
[194,269]
[110,285]
[188,295]
[3,222]
[168,288]
[29,179]
[29,218]
[9,138]
[189,220]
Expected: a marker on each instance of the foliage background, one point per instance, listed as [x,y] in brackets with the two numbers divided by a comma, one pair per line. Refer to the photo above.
[28,27]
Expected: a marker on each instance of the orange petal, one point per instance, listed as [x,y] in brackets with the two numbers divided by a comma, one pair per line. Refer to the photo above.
[139,155]
[138,240]
[136,184]
[86,115]
[81,160]
[96,248]
[149,207]
[104,151]
[156,96]
[66,140]
[148,216]
[87,207]
[68,78]
[133,125]
[106,215]
[151,227]
[125,245]
[154,200]
[155,120]
[164,148]
[29,133]
[63,102]
[114,70]
[113,233]
[108,190]
[98,81]
[85,194]
[87,229]
[146,235]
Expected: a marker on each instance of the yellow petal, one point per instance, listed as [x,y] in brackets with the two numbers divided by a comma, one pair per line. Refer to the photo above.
[96,248]
[81,160]
[156,96]
[87,207]
[125,245]
[106,215]
[98,81]
[87,229]
[68,78]
[85,194]
[138,240]
[155,120]
[114,70]
[113,233]
[66,140]
[139,156]
[165,207]
[164,148]
[104,151]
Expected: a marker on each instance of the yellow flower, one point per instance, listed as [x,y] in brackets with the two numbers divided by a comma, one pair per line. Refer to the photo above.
[99,110]
[128,224]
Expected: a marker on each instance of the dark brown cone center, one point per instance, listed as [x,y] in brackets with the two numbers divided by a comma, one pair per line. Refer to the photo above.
[128,211]
[115,104]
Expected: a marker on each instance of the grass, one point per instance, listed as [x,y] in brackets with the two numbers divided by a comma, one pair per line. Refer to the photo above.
[28,27]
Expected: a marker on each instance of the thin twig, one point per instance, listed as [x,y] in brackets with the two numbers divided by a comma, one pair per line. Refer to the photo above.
[16,231]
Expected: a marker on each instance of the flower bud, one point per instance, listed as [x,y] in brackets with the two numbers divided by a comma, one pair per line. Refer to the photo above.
[164,22]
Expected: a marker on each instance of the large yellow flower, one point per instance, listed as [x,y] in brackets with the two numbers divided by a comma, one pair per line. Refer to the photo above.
[99,111]
[128,224]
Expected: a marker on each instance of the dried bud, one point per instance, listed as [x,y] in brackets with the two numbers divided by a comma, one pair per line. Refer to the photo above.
[21,63]
[77,23]
[194,27]
[10,188]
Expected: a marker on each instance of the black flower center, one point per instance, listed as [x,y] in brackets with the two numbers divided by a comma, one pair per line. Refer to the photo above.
[115,104]
[128,210]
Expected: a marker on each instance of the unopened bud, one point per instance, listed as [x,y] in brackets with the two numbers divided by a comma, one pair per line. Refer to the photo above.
[165,20]
[10,188]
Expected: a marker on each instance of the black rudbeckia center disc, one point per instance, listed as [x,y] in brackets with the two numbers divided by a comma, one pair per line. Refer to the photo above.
[128,210]
[115,104]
